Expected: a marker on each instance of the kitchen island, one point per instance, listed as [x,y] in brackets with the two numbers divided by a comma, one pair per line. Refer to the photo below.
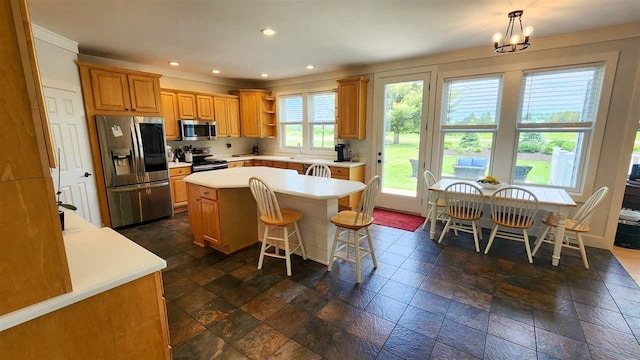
[223,213]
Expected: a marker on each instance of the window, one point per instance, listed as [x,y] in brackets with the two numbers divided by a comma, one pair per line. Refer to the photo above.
[307,119]
[556,114]
[322,120]
[290,115]
[469,119]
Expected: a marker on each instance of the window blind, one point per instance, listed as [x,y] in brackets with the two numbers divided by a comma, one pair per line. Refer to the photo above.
[322,107]
[564,96]
[290,109]
[473,101]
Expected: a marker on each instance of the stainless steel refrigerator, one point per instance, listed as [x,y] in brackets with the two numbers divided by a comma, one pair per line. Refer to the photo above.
[134,162]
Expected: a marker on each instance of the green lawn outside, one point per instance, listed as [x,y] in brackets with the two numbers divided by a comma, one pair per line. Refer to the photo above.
[397,168]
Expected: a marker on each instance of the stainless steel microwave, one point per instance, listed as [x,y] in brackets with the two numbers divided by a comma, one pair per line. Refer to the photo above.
[197,130]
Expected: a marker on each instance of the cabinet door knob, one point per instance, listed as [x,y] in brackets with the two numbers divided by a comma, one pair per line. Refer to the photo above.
[206,193]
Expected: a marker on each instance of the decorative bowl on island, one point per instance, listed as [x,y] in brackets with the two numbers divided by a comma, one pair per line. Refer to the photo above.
[489,182]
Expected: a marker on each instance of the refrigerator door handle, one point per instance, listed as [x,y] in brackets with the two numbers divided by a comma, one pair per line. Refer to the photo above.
[136,152]
[138,187]
[143,174]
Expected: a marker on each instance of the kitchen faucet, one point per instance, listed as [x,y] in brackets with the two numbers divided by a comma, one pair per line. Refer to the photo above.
[299,151]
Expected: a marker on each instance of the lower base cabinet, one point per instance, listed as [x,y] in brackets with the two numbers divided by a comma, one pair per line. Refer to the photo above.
[224,219]
[179,188]
[126,322]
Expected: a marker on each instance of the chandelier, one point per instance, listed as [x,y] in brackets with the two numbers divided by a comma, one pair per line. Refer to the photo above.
[511,42]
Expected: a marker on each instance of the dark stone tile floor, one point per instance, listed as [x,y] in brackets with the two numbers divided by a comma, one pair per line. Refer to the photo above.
[424,301]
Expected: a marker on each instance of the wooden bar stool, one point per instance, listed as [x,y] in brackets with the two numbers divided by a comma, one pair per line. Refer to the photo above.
[320,170]
[275,218]
[350,223]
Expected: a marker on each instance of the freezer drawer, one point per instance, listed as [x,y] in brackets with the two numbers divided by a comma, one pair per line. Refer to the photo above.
[138,203]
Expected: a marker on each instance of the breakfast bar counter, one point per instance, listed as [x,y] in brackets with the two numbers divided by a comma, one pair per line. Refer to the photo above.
[220,203]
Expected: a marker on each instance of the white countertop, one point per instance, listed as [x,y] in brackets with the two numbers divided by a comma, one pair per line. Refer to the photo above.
[281,181]
[291,159]
[173,165]
[99,259]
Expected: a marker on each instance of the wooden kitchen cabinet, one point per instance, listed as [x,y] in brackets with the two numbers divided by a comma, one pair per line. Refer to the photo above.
[170,114]
[352,108]
[233,164]
[218,217]
[114,91]
[205,107]
[354,173]
[257,113]
[179,188]
[187,106]
[227,116]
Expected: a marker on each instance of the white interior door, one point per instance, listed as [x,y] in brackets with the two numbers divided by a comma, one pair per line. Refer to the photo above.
[69,132]
[400,121]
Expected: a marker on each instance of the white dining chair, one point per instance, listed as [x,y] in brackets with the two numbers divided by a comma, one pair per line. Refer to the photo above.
[516,208]
[574,227]
[274,218]
[320,170]
[349,224]
[429,180]
[463,202]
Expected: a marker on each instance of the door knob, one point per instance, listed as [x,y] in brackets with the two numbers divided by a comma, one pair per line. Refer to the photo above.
[87,174]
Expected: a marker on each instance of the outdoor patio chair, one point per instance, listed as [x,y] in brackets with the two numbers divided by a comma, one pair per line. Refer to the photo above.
[521,173]
[470,168]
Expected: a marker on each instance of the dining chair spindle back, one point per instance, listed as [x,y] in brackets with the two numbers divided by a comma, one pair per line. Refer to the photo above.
[463,202]
[515,208]
[574,227]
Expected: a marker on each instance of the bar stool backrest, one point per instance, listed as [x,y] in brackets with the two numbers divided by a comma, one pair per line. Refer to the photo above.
[265,198]
[367,201]
[320,170]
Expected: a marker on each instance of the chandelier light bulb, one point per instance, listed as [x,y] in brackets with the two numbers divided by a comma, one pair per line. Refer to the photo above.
[497,37]
[528,30]
[515,39]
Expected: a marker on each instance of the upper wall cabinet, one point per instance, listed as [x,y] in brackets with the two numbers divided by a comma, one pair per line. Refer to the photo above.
[227,115]
[170,114]
[193,106]
[257,113]
[118,91]
[352,108]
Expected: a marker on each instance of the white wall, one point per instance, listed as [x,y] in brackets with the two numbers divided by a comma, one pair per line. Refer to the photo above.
[621,117]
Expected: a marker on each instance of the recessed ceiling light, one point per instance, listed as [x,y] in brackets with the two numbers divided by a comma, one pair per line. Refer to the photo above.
[268,31]
[310,67]
[264,75]
[215,71]
[174,63]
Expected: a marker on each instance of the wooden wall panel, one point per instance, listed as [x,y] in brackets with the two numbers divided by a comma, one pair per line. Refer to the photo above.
[33,261]
[97,328]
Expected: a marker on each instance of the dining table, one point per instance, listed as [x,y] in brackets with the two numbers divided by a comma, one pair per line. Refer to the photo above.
[552,199]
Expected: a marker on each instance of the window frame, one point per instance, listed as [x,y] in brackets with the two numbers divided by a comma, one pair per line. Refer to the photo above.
[306,124]
[506,135]
[482,128]
[311,123]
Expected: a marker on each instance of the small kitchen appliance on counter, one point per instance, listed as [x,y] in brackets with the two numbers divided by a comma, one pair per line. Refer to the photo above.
[342,151]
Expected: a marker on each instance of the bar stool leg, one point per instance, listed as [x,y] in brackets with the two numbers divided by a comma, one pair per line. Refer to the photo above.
[287,254]
[373,253]
[333,248]
[263,248]
[304,254]
[356,249]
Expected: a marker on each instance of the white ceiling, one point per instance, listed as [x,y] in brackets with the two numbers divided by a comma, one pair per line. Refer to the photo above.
[330,34]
